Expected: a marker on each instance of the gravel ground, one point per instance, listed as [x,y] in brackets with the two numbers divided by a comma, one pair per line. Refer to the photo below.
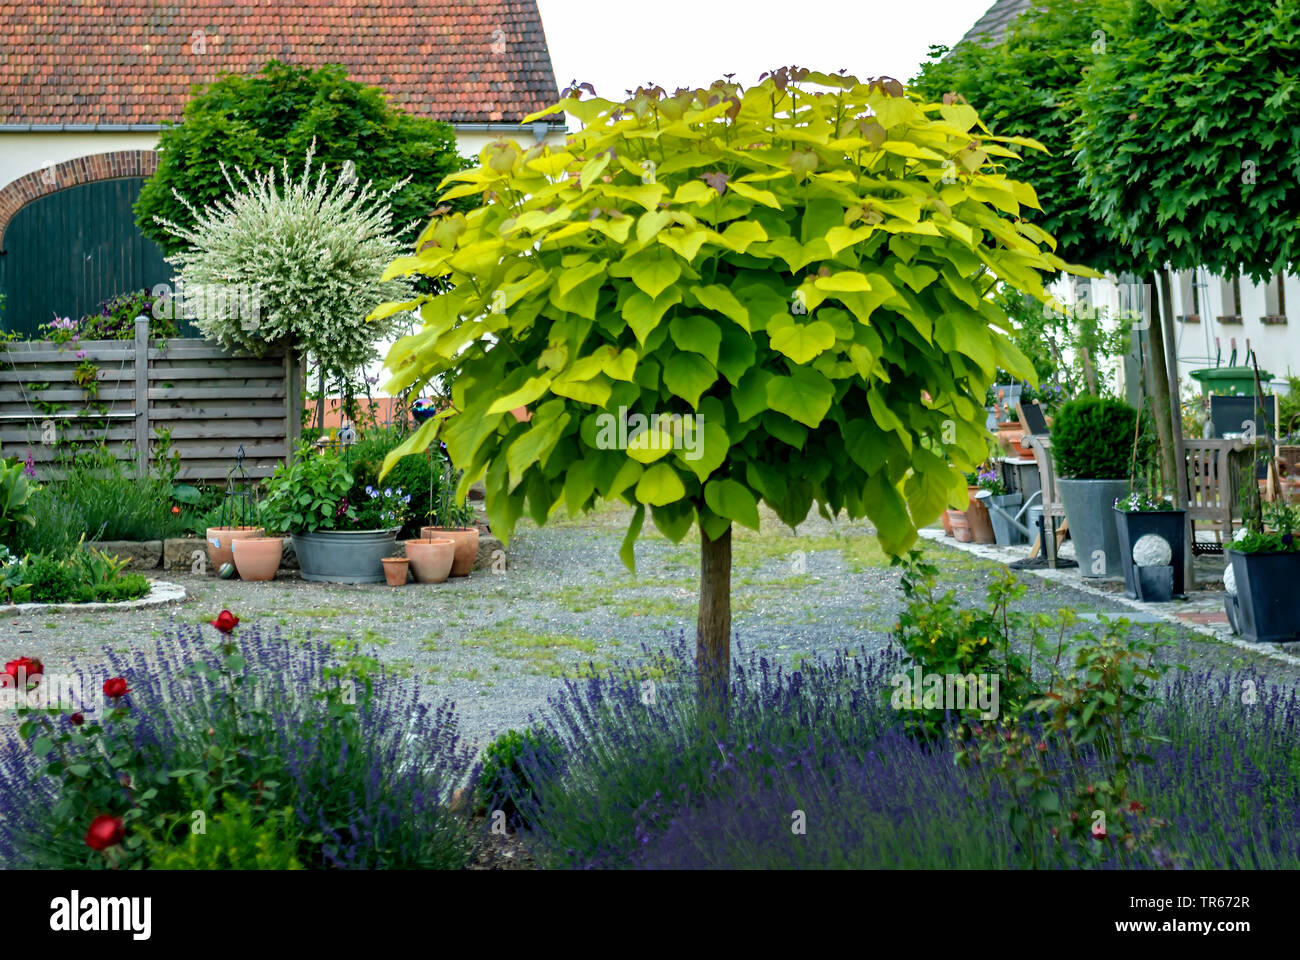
[499,644]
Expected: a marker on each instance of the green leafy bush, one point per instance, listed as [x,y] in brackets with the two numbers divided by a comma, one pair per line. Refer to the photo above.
[261,120]
[238,837]
[1092,439]
[411,473]
[87,575]
[116,317]
[15,494]
[308,494]
[102,498]
[503,782]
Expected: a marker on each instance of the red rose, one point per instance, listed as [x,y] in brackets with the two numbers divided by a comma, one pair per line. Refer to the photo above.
[1135,807]
[105,832]
[116,688]
[226,621]
[30,665]
[176,509]
[1042,746]
[76,719]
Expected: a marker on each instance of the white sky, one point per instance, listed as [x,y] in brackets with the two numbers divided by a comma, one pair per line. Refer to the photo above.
[618,45]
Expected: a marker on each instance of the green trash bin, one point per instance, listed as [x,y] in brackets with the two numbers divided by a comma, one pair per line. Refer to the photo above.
[1230,381]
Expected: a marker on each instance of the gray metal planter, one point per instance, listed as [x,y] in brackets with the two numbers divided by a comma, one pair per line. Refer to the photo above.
[1266,608]
[1089,507]
[344,556]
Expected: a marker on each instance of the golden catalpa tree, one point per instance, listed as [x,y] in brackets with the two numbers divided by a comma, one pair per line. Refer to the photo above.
[725,297]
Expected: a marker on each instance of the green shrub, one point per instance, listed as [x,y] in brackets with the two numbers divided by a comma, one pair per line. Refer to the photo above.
[1092,439]
[308,494]
[236,838]
[503,782]
[116,317]
[411,473]
[52,580]
[15,492]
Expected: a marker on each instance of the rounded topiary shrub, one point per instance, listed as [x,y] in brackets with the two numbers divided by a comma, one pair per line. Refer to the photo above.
[1092,439]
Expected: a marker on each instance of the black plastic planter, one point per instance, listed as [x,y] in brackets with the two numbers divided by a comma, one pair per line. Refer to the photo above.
[1131,527]
[1268,609]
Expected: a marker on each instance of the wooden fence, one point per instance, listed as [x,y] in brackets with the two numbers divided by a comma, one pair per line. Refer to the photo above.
[210,401]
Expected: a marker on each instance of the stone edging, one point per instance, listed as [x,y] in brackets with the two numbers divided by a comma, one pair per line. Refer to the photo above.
[1063,577]
[160,592]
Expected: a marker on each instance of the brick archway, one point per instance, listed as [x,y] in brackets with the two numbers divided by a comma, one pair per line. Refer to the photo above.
[99,166]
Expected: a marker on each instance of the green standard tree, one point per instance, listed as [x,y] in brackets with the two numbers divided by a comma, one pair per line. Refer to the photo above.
[1187,133]
[804,264]
[261,121]
[1026,85]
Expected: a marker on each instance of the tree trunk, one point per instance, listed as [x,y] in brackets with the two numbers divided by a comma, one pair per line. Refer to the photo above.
[1161,411]
[1181,490]
[320,409]
[713,631]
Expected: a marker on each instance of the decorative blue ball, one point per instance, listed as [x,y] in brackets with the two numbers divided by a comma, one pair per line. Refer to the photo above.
[227,571]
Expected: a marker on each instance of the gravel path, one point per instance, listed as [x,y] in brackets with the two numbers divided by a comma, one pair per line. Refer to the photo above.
[498,644]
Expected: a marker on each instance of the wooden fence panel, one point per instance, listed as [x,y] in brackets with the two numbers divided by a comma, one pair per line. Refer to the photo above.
[209,400]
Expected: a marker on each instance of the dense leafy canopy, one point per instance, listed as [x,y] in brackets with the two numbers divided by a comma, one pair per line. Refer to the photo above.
[1026,85]
[1188,132]
[804,264]
[259,122]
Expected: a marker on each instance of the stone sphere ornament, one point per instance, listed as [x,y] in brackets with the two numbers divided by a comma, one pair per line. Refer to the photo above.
[1230,580]
[1152,550]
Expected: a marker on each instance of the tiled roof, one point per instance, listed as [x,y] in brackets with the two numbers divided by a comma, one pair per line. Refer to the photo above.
[989,28]
[121,62]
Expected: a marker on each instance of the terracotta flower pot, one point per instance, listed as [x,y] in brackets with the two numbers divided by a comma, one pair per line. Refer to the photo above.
[219,540]
[947,523]
[978,519]
[466,540]
[1009,434]
[396,570]
[257,558]
[960,526]
[431,558]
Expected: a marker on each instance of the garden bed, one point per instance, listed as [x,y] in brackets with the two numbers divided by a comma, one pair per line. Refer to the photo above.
[160,592]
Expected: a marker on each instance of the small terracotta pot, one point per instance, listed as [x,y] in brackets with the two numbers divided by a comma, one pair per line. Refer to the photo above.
[219,540]
[960,527]
[466,540]
[257,558]
[947,523]
[396,570]
[431,559]
[978,519]
[1009,434]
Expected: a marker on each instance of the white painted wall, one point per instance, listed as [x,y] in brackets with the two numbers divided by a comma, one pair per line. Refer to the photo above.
[23,153]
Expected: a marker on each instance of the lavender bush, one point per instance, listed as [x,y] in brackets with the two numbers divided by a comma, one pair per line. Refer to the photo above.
[365,767]
[814,771]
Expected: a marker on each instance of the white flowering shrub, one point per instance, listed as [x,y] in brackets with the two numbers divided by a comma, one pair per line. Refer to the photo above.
[292,262]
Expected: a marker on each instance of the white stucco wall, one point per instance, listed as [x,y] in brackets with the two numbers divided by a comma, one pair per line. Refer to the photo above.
[23,153]
[26,152]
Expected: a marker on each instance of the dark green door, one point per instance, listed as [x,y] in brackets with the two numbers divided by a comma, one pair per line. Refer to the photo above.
[68,251]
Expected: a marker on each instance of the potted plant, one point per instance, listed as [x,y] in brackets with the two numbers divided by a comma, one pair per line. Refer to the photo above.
[1000,504]
[1140,515]
[977,514]
[336,539]
[1091,440]
[1265,558]
[454,521]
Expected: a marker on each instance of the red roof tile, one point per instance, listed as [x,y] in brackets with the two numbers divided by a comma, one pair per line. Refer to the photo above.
[107,61]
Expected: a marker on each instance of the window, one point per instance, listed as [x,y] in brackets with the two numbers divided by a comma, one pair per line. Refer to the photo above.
[1189,288]
[1275,300]
[1230,288]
